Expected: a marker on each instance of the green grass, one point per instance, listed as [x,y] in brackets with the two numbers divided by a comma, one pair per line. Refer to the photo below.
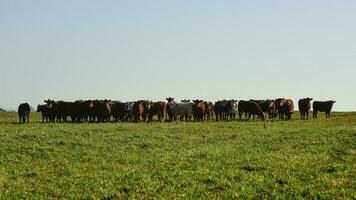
[296,159]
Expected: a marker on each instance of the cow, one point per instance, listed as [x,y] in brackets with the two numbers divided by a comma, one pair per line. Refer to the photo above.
[198,110]
[181,110]
[304,106]
[169,113]
[52,106]
[231,109]
[267,106]
[129,111]
[272,109]
[156,108]
[286,109]
[101,110]
[140,109]
[24,113]
[278,103]
[322,106]
[250,108]
[225,110]
[81,110]
[60,110]
[118,111]
[45,112]
[209,111]
[219,109]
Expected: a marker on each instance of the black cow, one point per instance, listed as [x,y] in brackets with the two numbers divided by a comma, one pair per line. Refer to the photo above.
[219,109]
[251,108]
[304,107]
[225,110]
[24,112]
[45,112]
[101,110]
[156,108]
[322,106]
[118,111]
[267,106]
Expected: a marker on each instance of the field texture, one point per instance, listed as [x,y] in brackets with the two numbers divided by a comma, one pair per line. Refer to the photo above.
[296,159]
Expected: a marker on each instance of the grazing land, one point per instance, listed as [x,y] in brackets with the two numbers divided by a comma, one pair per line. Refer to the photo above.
[314,159]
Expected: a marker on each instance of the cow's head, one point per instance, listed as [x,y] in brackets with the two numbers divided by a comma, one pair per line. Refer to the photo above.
[233,101]
[280,101]
[262,115]
[271,104]
[309,99]
[169,99]
[50,103]
[39,108]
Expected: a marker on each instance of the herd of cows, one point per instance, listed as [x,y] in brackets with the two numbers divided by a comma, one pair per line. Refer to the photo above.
[170,110]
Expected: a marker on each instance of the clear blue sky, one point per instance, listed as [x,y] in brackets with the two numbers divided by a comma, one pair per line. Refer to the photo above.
[130,50]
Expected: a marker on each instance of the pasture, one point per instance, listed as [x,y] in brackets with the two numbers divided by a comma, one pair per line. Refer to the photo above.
[314,159]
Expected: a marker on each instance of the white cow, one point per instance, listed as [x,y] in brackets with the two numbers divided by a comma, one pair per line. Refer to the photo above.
[181,109]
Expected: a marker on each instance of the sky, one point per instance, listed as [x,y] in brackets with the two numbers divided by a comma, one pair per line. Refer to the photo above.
[130,50]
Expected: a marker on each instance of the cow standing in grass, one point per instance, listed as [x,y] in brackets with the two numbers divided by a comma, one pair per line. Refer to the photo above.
[24,113]
[45,112]
[198,110]
[304,108]
[118,111]
[181,110]
[157,108]
[286,109]
[251,108]
[322,106]
[267,106]
[209,111]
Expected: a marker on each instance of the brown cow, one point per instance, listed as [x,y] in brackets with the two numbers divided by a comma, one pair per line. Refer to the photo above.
[139,111]
[286,109]
[209,111]
[198,110]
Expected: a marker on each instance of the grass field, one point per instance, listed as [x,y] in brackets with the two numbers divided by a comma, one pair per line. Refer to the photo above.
[296,159]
